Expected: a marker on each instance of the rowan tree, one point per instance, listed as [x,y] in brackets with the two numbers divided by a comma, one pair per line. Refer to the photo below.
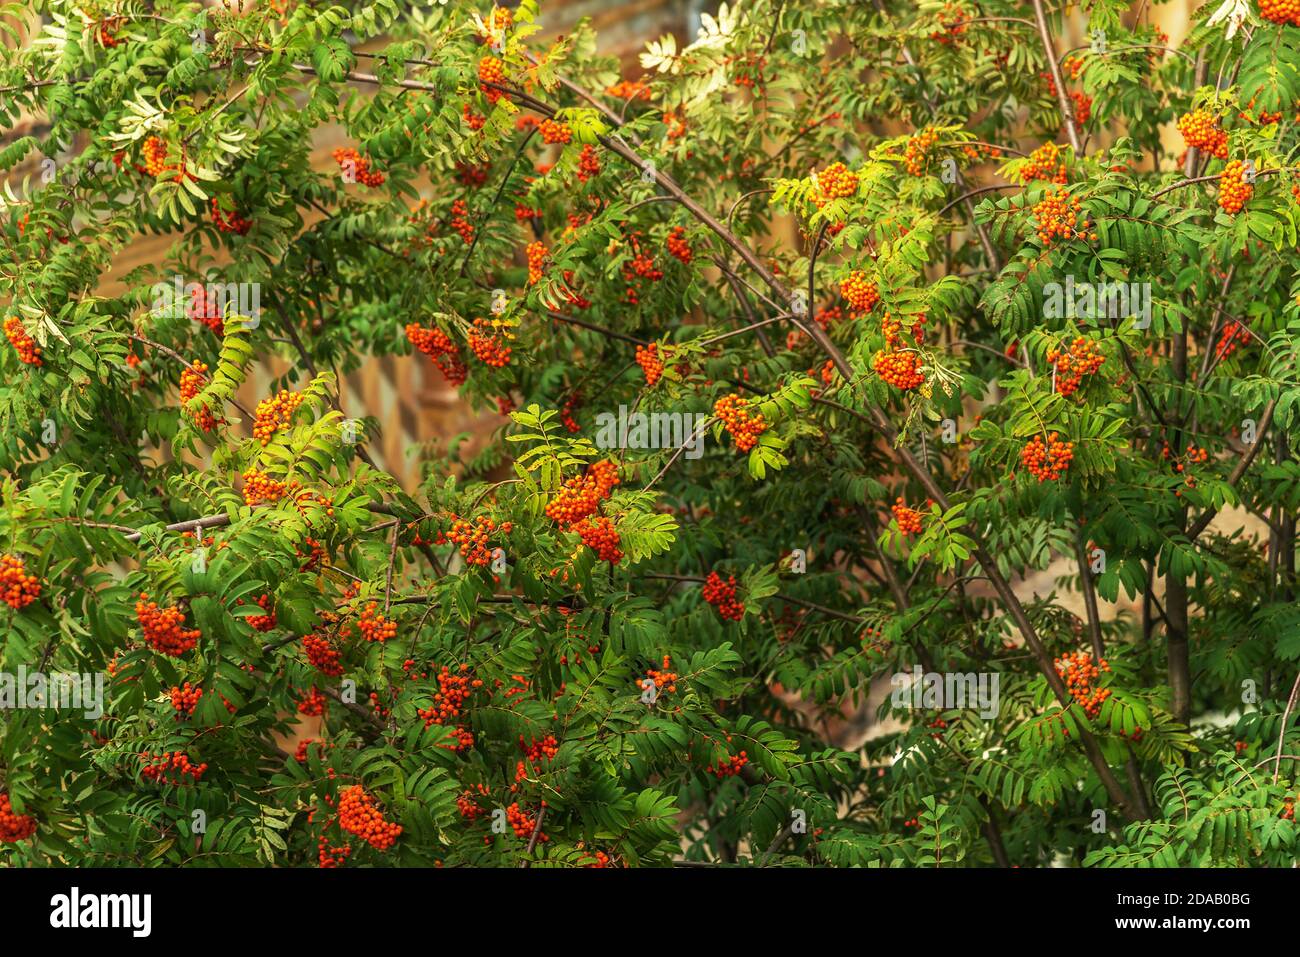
[836,232]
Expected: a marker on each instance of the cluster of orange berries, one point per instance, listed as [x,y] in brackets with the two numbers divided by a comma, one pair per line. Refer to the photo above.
[358,815]
[588,163]
[264,622]
[523,823]
[909,519]
[1079,670]
[491,71]
[601,537]
[629,90]
[664,680]
[648,358]
[581,496]
[1280,11]
[26,347]
[722,596]
[1234,190]
[328,856]
[677,245]
[1082,107]
[201,310]
[1060,216]
[472,537]
[313,704]
[374,626]
[743,428]
[1202,131]
[554,132]
[350,160]
[730,767]
[164,628]
[893,330]
[155,157]
[900,369]
[467,803]
[918,149]
[275,414]
[437,345]
[454,689]
[487,342]
[835,182]
[170,766]
[953,23]
[300,752]
[322,655]
[230,222]
[185,699]
[571,404]
[1044,163]
[192,380]
[1047,459]
[860,292]
[1081,359]
[536,258]
[460,220]
[14,826]
[260,487]
[1233,335]
[17,588]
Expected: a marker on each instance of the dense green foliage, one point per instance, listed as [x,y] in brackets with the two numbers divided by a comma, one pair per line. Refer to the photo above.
[722,146]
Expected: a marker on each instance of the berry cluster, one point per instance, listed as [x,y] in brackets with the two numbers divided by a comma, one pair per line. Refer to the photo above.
[1060,216]
[155,159]
[164,628]
[205,311]
[472,119]
[260,488]
[26,347]
[1081,359]
[952,22]
[192,380]
[454,689]
[1079,670]
[358,815]
[14,826]
[588,163]
[600,536]
[677,245]
[313,705]
[918,150]
[1234,190]
[350,161]
[491,74]
[460,221]
[1233,336]
[629,90]
[664,681]
[581,496]
[264,622]
[742,428]
[472,537]
[467,803]
[275,414]
[1044,163]
[1047,460]
[523,823]
[835,182]
[437,345]
[900,369]
[909,519]
[730,767]
[230,222]
[17,588]
[171,767]
[722,596]
[648,358]
[1280,11]
[322,655]
[536,253]
[1202,131]
[893,330]
[487,342]
[374,626]
[860,292]
[554,132]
